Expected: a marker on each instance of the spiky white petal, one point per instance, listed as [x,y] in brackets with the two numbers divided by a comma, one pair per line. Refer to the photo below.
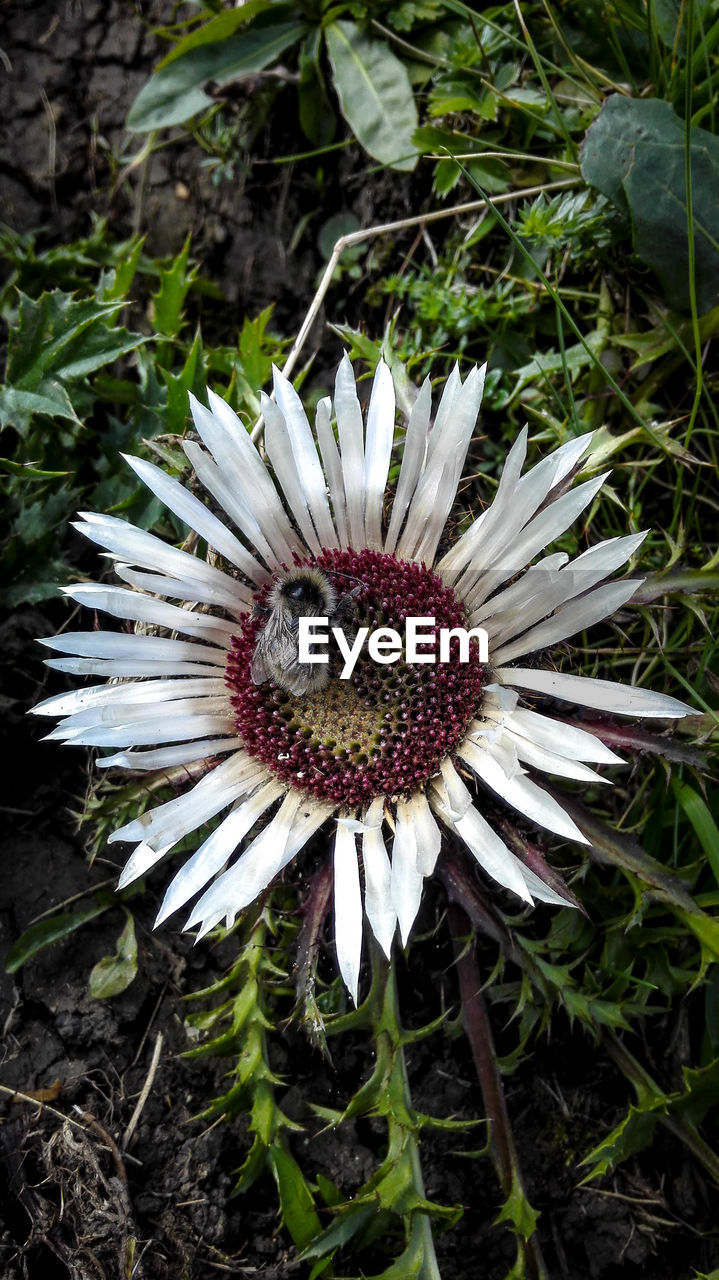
[212,855]
[379,907]
[196,515]
[601,695]
[348,908]
[437,486]
[378,451]
[351,438]
[118,644]
[169,757]
[499,769]
[407,879]
[573,617]
[134,607]
[289,830]
[333,467]
[413,458]
[164,826]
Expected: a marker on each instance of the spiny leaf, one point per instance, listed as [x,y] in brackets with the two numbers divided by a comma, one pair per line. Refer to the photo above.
[169,301]
[58,339]
[517,1209]
[297,1205]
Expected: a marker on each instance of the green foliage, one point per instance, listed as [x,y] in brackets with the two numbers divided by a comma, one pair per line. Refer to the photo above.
[374,94]
[46,932]
[113,974]
[80,386]
[238,1028]
[682,1110]
[175,92]
[371,83]
[54,344]
[635,155]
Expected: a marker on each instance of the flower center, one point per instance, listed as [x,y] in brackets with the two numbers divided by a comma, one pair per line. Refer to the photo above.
[385,729]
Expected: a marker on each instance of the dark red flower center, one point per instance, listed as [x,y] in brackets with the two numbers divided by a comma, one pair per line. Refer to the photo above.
[386,729]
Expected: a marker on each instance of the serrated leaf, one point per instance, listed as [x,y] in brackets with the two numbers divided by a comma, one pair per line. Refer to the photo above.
[634,153]
[251,1168]
[175,94]
[116,283]
[192,377]
[347,1224]
[17,407]
[33,588]
[113,974]
[375,94]
[706,930]
[701,1092]
[517,1209]
[58,339]
[175,283]
[42,935]
[632,1134]
[25,470]
[298,1209]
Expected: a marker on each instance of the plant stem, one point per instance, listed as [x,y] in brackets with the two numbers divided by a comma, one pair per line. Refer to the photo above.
[479,1034]
[421,1228]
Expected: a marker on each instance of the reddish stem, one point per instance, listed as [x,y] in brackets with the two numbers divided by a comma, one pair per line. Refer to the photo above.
[479,1034]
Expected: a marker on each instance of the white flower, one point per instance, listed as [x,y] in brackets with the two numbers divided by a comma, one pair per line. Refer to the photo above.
[395,747]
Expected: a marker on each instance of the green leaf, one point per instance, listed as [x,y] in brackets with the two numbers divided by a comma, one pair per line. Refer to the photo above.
[218,28]
[375,94]
[316,115]
[701,819]
[701,1092]
[632,1134]
[113,974]
[298,1210]
[192,377]
[51,335]
[17,407]
[175,93]
[517,1209]
[36,585]
[175,283]
[348,1223]
[116,283]
[634,153]
[42,935]
[26,470]
[706,930]
[57,339]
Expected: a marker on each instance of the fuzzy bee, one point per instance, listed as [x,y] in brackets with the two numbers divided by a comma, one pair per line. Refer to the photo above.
[297,593]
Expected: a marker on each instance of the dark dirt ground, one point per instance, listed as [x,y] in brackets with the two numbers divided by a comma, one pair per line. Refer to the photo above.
[67,1205]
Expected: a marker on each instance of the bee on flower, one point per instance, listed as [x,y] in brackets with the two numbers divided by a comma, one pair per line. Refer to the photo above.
[402,750]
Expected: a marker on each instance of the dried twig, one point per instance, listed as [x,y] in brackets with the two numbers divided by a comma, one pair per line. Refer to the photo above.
[145,1093]
[384,228]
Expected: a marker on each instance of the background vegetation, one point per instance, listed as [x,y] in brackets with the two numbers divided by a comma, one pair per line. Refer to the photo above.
[564,162]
